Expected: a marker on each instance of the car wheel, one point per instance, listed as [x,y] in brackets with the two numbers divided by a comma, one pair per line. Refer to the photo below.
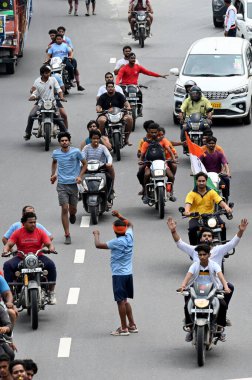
[217,24]
[247,119]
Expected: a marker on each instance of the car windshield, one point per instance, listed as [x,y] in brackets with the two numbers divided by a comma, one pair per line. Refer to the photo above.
[6,5]
[249,10]
[209,65]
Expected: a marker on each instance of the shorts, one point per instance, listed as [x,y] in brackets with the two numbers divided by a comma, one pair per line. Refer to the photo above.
[67,194]
[122,287]
[90,1]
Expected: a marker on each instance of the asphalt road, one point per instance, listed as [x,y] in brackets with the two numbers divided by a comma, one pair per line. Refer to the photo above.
[159,350]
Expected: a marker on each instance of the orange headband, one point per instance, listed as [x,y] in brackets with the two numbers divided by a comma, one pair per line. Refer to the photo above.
[120,229]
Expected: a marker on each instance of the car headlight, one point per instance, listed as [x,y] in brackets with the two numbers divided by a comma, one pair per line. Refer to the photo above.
[31,261]
[239,90]
[201,303]
[158,173]
[47,104]
[249,28]
[179,91]
[8,42]
[101,186]
[212,222]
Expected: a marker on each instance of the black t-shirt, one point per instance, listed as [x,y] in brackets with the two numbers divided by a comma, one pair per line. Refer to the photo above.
[106,101]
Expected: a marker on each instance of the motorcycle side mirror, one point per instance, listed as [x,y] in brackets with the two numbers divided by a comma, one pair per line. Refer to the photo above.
[231,204]
[181,210]
[174,71]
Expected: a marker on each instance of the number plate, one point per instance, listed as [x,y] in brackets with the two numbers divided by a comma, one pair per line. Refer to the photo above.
[132,99]
[36,270]
[216,104]
[206,311]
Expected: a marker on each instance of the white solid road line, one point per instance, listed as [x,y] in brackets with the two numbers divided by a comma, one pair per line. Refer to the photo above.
[79,256]
[243,378]
[64,347]
[73,296]
[85,221]
[112,60]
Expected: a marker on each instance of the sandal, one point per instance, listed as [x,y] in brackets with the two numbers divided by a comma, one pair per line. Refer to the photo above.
[133,329]
[120,332]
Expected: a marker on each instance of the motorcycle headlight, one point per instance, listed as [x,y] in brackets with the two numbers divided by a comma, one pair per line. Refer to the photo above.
[212,222]
[158,173]
[115,118]
[47,104]
[101,186]
[239,90]
[195,126]
[31,261]
[179,91]
[201,303]
[132,95]
[141,18]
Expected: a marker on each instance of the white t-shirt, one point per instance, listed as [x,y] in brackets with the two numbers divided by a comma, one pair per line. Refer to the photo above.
[103,89]
[204,274]
[121,62]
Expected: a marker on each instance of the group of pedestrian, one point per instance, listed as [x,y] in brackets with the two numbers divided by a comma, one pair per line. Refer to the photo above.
[17,369]
[76,5]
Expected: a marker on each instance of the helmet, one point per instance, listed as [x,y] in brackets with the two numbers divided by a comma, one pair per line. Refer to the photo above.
[189,84]
[195,93]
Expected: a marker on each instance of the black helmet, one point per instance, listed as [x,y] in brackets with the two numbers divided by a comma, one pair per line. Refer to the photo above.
[189,84]
[195,93]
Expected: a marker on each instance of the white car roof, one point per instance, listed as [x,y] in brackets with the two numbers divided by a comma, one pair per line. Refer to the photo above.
[219,45]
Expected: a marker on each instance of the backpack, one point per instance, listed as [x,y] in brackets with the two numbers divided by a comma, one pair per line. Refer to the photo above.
[155,152]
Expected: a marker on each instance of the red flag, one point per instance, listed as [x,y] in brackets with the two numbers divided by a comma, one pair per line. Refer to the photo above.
[193,148]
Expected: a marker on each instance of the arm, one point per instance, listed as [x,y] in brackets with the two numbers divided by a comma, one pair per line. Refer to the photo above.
[97,242]
[186,280]
[53,173]
[127,105]
[83,171]
[119,216]
[225,169]
[5,323]
[172,227]
[99,109]
[83,143]
[4,240]
[225,207]
[171,153]
[108,156]
[224,282]
[187,209]
[70,53]
[8,299]
[116,70]
[8,246]
[144,71]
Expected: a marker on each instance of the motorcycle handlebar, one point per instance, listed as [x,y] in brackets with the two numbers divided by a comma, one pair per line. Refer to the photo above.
[14,253]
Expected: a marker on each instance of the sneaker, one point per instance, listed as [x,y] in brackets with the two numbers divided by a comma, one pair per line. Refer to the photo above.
[72,83]
[76,13]
[72,218]
[189,336]
[145,199]
[120,332]
[52,299]
[228,322]
[87,14]
[222,337]
[70,10]
[133,329]
[172,198]
[130,34]
[27,137]
[67,240]
[80,88]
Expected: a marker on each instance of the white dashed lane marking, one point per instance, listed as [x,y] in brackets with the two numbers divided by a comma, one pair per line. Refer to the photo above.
[85,221]
[112,60]
[79,256]
[73,296]
[64,347]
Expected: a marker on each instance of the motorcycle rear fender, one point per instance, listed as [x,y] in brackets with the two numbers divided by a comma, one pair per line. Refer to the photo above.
[201,322]
[33,285]
[92,200]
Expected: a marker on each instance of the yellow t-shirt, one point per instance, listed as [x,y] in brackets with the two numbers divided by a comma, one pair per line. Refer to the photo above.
[189,107]
[203,204]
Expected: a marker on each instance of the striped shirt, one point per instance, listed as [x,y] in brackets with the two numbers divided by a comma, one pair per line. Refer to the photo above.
[45,90]
[100,153]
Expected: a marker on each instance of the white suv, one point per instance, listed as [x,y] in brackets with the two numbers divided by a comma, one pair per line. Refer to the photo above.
[222,68]
[244,18]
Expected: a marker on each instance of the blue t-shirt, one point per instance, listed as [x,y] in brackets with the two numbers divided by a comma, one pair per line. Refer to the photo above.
[68,165]
[61,50]
[17,225]
[121,254]
[4,287]
[68,41]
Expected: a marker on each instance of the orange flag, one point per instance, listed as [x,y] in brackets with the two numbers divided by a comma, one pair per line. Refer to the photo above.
[194,149]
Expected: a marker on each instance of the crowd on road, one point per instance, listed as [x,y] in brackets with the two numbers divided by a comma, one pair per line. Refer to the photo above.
[75,170]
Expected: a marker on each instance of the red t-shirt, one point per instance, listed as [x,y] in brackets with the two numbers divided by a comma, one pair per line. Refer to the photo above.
[29,241]
[129,75]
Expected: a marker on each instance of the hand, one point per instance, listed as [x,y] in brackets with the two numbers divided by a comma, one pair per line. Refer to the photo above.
[9,305]
[4,330]
[227,290]
[229,210]
[181,289]
[171,224]
[164,76]
[115,213]
[78,179]
[108,165]
[243,225]
[63,100]
[96,233]
[53,178]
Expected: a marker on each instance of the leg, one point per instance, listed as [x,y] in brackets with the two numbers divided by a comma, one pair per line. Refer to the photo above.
[60,124]
[76,3]
[93,6]
[73,201]
[128,127]
[69,68]
[64,116]
[51,268]
[129,314]
[226,190]
[30,121]
[228,296]
[111,173]
[101,123]
[64,219]
[221,318]
[10,268]
[132,22]
[70,2]
[193,228]
[87,6]
[123,314]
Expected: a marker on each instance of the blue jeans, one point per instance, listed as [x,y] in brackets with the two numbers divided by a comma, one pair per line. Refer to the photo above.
[11,266]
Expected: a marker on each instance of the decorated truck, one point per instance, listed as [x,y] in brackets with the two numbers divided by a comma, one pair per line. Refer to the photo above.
[15,17]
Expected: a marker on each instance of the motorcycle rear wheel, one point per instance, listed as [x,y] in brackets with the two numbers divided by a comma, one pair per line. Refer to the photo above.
[117,150]
[141,38]
[34,308]
[47,131]
[161,203]
[93,215]
[200,345]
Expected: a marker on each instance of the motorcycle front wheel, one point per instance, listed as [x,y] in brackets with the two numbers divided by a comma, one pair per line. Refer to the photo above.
[161,203]
[34,308]
[47,134]
[141,37]
[117,144]
[200,345]
[93,215]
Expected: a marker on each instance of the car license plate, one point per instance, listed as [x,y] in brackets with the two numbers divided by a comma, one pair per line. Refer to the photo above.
[216,104]
[36,270]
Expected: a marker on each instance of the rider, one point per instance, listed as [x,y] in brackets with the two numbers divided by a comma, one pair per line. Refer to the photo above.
[125,60]
[172,164]
[44,87]
[144,171]
[145,138]
[205,271]
[102,89]
[202,200]
[215,161]
[136,6]
[92,125]
[29,238]
[97,151]
[114,99]
[196,102]
[188,85]
[61,30]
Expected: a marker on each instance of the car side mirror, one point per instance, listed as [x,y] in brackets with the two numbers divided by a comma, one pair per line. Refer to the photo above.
[240,16]
[174,71]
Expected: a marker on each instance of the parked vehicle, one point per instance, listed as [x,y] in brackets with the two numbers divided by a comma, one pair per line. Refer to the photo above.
[223,72]
[219,10]
[133,95]
[244,19]
[141,29]
[31,287]
[203,308]
[115,130]
[96,191]
[15,18]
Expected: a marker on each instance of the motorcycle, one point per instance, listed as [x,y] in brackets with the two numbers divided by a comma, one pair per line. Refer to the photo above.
[31,287]
[133,94]
[46,121]
[159,189]
[115,130]
[58,69]
[203,308]
[195,125]
[141,27]
[96,193]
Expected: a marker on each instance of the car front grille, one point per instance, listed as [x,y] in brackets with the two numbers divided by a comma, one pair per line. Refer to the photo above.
[216,95]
